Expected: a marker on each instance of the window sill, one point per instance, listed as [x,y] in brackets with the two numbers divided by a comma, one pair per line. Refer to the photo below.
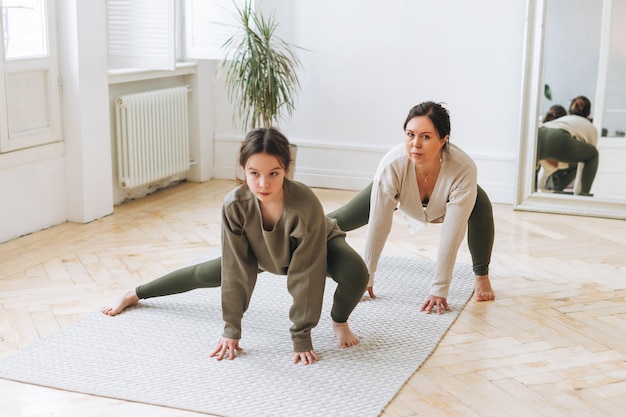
[132,74]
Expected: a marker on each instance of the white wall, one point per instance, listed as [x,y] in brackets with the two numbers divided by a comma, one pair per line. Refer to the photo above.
[83,69]
[369,62]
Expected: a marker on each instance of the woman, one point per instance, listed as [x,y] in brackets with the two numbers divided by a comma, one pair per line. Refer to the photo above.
[570,139]
[546,167]
[554,112]
[430,181]
[273,224]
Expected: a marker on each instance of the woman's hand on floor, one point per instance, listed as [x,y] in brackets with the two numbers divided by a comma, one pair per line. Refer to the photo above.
[226,345]
[438,303]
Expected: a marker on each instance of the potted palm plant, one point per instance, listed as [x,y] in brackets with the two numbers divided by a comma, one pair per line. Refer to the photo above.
[260,71]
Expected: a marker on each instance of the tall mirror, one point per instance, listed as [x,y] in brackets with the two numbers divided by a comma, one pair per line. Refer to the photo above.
[575,48]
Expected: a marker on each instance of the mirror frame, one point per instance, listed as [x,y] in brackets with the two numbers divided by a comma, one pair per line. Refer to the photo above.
[526,199]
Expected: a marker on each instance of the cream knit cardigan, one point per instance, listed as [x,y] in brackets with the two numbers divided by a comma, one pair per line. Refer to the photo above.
[451,203]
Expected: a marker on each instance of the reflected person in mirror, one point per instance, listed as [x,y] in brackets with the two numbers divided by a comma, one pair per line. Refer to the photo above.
[544,180]
[570,139]
[554,112]
[429,180]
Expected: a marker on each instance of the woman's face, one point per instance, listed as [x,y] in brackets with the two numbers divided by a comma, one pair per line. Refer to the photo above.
[265,176]
[422,142]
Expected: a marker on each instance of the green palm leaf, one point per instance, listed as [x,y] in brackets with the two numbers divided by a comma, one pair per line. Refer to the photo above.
[260,70]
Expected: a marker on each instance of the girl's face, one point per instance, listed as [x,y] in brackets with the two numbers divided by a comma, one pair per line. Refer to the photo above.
[423,144]
[265,176]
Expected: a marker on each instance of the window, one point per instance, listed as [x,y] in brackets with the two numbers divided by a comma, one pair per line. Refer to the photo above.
[149,34]
[208,24]
[24,29]
[29,105]
[142,34]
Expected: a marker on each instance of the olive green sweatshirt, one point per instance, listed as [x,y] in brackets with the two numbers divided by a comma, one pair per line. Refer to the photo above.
[296,247]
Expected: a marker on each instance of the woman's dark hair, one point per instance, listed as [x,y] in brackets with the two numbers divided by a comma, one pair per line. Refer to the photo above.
[265,140]
[580,106]
[554,112]
[437,114]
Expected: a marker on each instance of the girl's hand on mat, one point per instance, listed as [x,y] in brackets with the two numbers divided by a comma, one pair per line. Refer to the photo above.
[370,291]
[307,357]
[226,345]
[433,302]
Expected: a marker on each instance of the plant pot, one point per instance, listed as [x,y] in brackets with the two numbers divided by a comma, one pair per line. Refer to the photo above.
[292,167]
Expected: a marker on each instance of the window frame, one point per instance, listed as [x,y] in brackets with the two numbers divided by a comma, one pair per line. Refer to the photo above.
[15,141]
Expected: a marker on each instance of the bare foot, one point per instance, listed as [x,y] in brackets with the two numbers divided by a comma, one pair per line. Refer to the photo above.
[128,299]
[345,338]
[483,290]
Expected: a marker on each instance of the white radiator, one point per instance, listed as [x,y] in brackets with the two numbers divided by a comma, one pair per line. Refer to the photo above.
[152,136]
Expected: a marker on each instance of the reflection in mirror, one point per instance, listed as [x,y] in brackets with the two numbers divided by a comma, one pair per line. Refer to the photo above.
[567,154]
[575,48]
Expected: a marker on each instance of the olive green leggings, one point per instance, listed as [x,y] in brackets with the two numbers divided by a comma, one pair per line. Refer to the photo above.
[560,145]
[480,226]
[345,266]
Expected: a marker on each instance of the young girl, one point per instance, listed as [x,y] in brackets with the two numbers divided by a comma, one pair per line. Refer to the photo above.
[270,223]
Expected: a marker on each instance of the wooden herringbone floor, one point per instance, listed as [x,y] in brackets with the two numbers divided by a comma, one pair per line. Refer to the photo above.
[552,344]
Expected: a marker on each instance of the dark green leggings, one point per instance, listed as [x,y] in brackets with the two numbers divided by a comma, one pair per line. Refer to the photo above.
[480,226]
[345,266]
[560,145]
